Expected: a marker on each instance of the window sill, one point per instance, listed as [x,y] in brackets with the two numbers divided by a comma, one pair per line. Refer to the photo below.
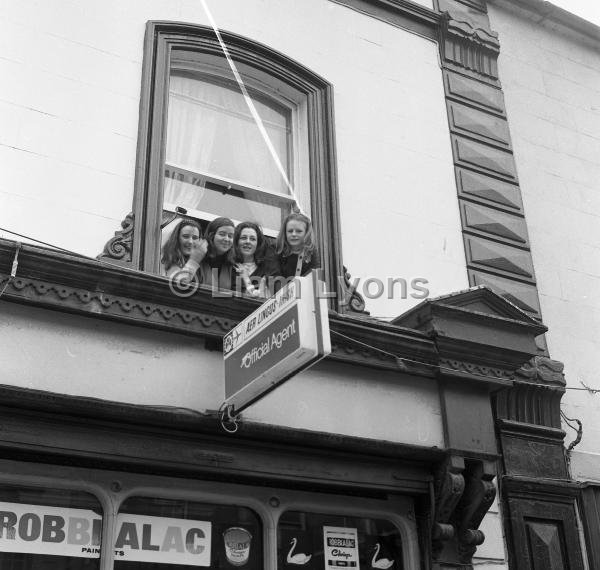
[58,281]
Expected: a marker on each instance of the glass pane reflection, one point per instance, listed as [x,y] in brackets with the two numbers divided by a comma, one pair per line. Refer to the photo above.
[165,534]
[49,529]
[315,541]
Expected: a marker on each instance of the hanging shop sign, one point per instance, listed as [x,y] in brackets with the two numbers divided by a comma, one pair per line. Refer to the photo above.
[37,529]
[340,546]
[288,333]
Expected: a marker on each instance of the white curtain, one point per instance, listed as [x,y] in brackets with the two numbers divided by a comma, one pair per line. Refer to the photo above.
[210,130]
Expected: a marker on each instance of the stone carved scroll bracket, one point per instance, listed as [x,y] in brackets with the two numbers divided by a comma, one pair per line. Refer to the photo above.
[478,496]
[464,492]
[449,487]
[351,298]
[118,248]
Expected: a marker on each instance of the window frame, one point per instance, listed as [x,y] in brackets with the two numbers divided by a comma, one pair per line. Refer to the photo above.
[113,488]
[162,38]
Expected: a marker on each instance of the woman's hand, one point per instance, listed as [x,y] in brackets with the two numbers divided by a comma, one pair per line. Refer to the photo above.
[199,250]
[243,272]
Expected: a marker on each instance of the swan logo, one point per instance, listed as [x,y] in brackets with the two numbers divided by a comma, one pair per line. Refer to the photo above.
[298,558]
[380,563]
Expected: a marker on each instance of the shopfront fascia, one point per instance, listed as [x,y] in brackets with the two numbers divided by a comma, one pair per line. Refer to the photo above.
[469,344]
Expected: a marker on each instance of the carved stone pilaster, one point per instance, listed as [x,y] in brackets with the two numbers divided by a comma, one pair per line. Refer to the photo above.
[528,418]
[118,248]
[471,49]
[494,229]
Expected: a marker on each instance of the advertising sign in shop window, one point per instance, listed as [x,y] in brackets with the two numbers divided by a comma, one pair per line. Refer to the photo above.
[57,531]
[318,541]
[40,530]
[162,534]
[143,538]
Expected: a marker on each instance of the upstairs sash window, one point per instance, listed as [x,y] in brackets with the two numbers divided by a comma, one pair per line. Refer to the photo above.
[202,149]
[217,159]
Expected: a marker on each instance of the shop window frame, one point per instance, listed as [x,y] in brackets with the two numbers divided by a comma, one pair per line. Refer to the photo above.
[162,38]
[113,488]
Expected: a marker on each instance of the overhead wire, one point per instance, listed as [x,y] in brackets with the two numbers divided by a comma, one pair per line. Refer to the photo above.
[256,116]
[251,106]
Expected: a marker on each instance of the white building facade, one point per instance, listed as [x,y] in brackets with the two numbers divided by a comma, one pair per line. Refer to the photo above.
[447,156]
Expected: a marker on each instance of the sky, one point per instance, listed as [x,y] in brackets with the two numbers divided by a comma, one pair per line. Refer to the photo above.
[587,9]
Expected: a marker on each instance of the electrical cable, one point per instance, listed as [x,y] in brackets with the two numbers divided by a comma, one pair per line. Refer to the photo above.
[251,106]
[578,430]
[399,359]
[70,252]
[13,271]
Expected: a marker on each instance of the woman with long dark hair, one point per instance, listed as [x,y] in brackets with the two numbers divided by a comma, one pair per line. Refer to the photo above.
[216,267]
[249,253]
[184,250]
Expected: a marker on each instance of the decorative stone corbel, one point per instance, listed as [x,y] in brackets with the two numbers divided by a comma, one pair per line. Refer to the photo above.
[464,492]
[449,487]
[464,46]
[351,298]
[534,398]
[476,500]
[118,248]
[542,370]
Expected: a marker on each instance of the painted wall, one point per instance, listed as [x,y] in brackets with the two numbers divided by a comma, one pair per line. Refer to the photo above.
[551,81]
[99,359]
[70,115]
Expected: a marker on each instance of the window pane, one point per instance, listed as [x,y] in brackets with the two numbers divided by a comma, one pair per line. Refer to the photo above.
[317,541]
[163,534]
[204,200]
[49,529]
[211,131]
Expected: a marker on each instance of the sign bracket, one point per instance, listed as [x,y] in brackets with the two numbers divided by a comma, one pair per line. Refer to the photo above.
[228,417]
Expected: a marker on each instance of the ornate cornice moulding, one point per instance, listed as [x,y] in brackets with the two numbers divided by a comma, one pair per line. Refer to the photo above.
[54,280]
[454,335]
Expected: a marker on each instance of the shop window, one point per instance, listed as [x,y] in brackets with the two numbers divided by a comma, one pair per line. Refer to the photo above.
[49,529]
[205,150]
[166,534]
[313,540]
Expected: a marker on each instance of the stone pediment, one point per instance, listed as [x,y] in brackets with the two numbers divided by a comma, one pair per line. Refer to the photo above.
[476,325]
[479,300]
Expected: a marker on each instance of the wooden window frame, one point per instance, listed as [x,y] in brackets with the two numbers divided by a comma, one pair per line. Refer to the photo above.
[268,502]
[161,39]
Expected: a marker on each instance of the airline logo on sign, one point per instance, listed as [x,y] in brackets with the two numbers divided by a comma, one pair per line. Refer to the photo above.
[289,332]
[252,325]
